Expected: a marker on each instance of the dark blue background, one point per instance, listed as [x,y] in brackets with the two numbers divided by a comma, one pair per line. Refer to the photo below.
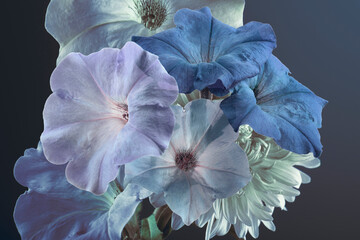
[319,40]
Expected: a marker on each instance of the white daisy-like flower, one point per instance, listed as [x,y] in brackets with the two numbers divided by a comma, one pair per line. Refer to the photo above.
[88,26]
[275,180]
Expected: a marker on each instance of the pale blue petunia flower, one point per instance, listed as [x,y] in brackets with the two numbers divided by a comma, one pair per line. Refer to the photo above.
[202,52]
[107,109]
[201,164]
[274,104]
[88,26]
[54,209]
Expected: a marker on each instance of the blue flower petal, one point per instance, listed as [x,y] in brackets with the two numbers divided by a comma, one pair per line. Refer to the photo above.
[274,104]
[55,209]
[203,52]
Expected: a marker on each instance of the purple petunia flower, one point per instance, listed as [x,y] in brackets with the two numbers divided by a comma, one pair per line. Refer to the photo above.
[201,164]
[202,52]
[54,209]
[107,109]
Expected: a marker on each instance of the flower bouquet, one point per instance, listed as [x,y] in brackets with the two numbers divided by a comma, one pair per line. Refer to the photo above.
[177,102]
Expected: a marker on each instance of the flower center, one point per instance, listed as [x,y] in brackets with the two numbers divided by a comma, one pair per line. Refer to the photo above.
[123,109]
[153,13]
[185,160]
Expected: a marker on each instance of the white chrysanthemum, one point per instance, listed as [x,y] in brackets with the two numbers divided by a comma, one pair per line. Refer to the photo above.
[88,26]
[275,181]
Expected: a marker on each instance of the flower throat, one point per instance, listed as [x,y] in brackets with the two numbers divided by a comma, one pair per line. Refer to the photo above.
[185,160]
[153,13]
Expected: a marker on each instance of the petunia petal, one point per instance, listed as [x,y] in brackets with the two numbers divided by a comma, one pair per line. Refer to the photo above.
[200,123]
[153,173]
[275,105]
[220,170]
[54,209]
[229,12]
[176,222]
[157,200]
[38,216]
[188,199]
[89,26]
[123,209]
[203,52]
[85,119]
[225,168]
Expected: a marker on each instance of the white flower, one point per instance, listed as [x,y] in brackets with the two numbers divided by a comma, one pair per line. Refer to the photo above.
[88,26]
[275,181]
[202,163]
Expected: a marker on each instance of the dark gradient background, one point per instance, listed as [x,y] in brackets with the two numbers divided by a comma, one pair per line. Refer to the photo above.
[319,40]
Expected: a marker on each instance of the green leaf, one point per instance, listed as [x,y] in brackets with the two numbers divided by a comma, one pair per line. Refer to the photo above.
[149,229]
[132,229]
[163,219]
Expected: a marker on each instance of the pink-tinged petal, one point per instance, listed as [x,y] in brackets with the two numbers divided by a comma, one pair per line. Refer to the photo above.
[107,109]
[133,143]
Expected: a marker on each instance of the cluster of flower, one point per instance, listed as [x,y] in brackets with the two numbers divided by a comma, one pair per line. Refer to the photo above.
[194,114]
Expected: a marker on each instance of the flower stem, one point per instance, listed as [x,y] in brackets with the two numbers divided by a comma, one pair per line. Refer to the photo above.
[205,93]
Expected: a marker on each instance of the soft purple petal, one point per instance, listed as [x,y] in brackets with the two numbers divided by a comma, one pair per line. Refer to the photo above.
[54,209]
[85,119]
[123,209]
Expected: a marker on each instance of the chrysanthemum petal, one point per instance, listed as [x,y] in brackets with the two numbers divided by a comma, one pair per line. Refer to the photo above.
[275,181]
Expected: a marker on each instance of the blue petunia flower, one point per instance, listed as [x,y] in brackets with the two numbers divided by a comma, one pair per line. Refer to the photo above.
[202,52]
[54,209]
[275,105]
